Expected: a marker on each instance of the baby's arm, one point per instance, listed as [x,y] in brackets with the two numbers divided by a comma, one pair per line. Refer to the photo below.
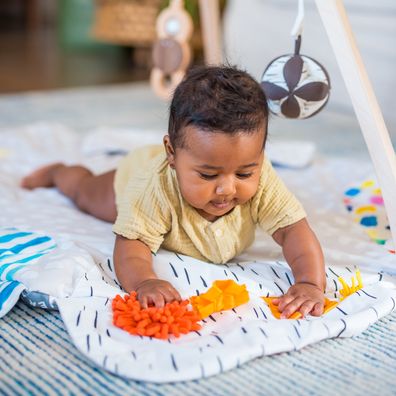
[134,270]
[303,253]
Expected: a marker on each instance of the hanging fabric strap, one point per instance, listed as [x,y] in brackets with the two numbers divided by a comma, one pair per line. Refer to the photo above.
[298,23]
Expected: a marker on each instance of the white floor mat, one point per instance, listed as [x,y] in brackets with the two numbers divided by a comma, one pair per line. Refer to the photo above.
[79,272]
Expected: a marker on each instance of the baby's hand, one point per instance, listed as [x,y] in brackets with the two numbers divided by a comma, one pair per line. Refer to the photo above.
[156,292]
[302,297]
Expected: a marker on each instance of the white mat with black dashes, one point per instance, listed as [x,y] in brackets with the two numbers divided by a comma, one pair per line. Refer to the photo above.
[77,275]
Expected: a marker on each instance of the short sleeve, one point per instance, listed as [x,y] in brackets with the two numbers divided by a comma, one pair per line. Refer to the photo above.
[143,212]
[274,206]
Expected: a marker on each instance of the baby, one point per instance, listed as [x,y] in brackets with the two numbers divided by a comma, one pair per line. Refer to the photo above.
[200,194]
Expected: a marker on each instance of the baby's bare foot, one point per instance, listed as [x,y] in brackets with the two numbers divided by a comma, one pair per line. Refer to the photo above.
[42,177]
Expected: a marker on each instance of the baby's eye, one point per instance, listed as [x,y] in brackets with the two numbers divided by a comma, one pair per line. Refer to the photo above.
[244,175]
[206,176]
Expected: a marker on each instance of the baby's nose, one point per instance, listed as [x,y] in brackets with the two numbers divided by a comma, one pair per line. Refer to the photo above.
[226,187]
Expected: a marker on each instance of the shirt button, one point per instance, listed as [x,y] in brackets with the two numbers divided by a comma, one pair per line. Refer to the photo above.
[218,232]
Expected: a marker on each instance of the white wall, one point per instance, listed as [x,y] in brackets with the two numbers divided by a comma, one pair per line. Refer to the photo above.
[256,31]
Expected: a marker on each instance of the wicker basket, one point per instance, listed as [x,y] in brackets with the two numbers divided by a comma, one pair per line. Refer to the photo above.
[130,22]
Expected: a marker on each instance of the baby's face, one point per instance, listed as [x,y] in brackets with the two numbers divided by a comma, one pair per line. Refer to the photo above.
[216,171]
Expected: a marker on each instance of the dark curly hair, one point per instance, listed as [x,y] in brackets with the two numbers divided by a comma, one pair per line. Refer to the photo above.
[217,99]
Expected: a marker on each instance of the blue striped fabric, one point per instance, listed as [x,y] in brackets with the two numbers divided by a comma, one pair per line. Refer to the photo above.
[17,250]
[37,357]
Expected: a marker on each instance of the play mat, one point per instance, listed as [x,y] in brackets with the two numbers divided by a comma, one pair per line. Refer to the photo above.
[55,257]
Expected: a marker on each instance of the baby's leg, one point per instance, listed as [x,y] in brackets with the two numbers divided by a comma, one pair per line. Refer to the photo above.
[92,194]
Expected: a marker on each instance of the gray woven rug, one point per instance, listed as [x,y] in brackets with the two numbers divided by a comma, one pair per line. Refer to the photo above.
[38,358]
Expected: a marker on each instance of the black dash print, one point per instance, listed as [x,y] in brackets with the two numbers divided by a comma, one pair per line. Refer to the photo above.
[376,312]
[240,318]
[84,308]
[235,276]
[211,317]
[96,319]
[78,319]
[288,279]
[298,333]
[109,265]
[108,333]
[91,291]
[368,295]
[267,294]
[197,332]
[173,269]
[263,332]
[154,254]
[335,285]
[203,281]
[261,286]
[202,370]
[220,364]
[299,322]
[105,361]
[100,339]
[186,273]
[100,265]
[380,277]
[233,310]
[134,354]
[358,293]
[203,320]
[119,286]
[341,310]
[294,345]
[174,362]
[327,328]
[333,272]
[225,272]
[178,257]
[240,266]
[88,346]
[275,273]
[197,292]
[345,326]
[326,274]
[255,311]
[243,329]
[394,304]
[348,269]
[107,300]
[226,265]
[86,277]
[265,316]
[254,272]
[216,336]
[279,288]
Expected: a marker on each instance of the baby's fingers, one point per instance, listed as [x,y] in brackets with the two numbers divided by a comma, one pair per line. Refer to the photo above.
[307,307]
[318,309]
[291,307]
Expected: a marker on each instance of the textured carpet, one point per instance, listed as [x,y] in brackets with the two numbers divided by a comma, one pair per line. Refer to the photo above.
[36,355]
[38,358]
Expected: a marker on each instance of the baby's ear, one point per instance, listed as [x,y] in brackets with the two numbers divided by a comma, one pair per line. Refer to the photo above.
[170,152]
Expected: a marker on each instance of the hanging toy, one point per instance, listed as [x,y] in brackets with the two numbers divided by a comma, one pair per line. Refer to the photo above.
[296,85]
[171,53]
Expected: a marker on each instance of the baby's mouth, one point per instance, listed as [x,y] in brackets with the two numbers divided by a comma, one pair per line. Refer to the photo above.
[222,205]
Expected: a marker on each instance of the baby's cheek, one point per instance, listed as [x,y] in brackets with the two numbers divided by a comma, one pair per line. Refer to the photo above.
[247,191]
